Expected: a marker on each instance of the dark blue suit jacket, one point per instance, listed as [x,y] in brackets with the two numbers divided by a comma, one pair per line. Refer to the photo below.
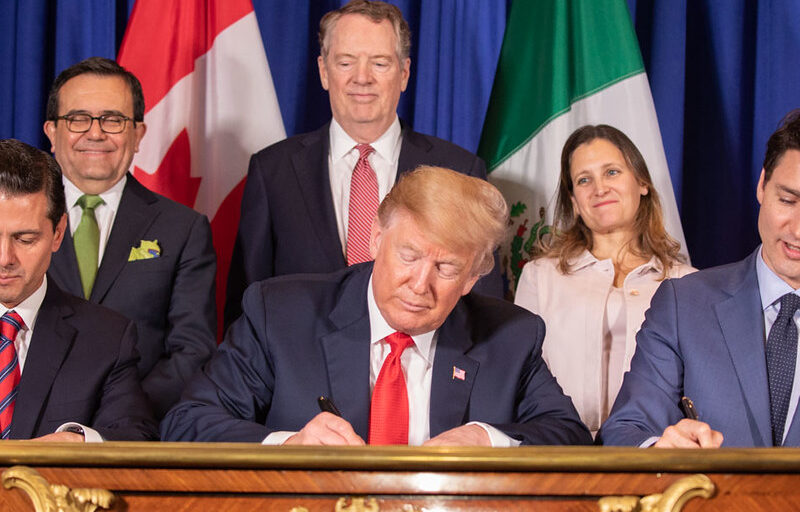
[171,298]
[308,335]
[81,366]
[288,223]
[703,337]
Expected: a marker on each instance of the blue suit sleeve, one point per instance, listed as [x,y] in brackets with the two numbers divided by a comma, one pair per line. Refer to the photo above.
[229,399]
[651,391]
[123,413]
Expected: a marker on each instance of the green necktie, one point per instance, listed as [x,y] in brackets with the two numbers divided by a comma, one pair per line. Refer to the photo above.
[87,241]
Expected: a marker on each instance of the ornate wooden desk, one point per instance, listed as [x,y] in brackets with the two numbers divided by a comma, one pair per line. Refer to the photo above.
[241,477]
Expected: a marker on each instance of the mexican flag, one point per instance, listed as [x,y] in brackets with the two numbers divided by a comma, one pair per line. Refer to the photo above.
[564,64]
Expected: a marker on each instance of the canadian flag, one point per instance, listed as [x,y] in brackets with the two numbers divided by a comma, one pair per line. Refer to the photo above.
[210,104]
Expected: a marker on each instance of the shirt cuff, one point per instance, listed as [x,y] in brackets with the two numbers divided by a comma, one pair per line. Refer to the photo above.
[277,438]
[496,437]
[650,442]
[90,435]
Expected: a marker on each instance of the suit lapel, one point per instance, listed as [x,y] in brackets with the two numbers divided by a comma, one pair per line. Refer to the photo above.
[133,217]
[412,151]
[346,351]
[311,169]
[64,267]
[745,341]
[52,339]
[449,393]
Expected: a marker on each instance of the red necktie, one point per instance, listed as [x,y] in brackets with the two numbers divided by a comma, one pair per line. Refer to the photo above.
[363,207]
[10,324]
[388,414]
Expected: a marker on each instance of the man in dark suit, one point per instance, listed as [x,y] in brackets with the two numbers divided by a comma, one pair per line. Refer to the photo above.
[726,337]
[296,208]
[127,248]
[400,345]
[68,366]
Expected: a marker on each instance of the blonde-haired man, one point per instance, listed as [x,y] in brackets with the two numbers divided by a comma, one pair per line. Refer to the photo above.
[400,345]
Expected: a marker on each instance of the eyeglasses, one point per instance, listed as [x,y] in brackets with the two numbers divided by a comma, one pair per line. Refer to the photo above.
[109,123]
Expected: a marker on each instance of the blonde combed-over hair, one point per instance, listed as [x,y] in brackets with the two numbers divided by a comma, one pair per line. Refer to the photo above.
[455,211]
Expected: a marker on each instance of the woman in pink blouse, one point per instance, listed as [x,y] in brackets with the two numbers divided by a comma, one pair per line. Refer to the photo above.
[597,274]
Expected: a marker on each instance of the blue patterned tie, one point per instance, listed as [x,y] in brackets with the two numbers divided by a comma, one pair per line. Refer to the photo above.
[10,324]
[781,359]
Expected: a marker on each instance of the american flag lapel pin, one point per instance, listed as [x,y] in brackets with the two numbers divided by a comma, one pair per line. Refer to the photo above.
[458,373]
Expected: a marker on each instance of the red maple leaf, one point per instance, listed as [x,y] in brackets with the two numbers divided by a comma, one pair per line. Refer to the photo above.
[173,178]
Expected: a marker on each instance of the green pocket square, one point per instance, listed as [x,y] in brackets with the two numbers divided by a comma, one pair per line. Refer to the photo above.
[145,251]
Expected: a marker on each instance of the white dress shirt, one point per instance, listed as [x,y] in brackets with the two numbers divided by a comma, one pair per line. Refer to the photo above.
[342,160]
[28,310]
[417,363]
[575,308]
[104,213]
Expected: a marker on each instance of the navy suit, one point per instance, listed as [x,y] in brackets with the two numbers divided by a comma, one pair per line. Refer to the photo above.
[171,298]
[288,223]
[308,335]
[81,367]
[703,337]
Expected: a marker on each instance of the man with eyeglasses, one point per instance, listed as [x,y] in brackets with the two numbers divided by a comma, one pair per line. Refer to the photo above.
[127,248]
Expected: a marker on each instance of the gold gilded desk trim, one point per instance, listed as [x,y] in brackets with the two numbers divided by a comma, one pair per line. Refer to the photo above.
[672,499]
[400,458]
[55,498]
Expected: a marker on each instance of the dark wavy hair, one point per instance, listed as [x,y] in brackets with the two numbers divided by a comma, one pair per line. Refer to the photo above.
[25,169]
[572,236]
[786,137]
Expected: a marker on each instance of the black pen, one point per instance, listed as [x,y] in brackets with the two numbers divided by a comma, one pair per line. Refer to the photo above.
[688,408]
[326,405]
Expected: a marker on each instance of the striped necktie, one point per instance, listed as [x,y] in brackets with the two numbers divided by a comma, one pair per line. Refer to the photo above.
[10,324]
[363,207]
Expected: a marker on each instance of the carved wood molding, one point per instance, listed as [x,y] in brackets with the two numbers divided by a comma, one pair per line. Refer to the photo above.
[55,498]
[671,500]
[359,504]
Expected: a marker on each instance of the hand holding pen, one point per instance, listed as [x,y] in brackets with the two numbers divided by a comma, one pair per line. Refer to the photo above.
[689,432]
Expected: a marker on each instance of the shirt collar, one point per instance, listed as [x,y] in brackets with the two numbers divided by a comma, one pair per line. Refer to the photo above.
[587,258]
[379,328]
[387,146]
[28,309]
[111,197]
[770,286]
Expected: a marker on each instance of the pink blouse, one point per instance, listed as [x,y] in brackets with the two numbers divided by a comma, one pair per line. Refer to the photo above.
[591,326]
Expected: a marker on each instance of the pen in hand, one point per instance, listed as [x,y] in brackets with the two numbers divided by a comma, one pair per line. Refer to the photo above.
[688,408]
[326,405]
